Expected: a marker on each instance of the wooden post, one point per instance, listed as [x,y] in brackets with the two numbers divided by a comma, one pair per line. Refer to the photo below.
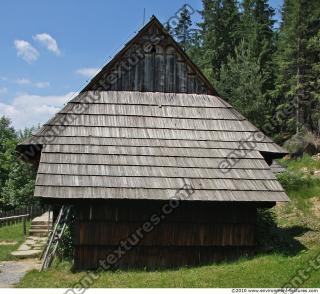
[24,227]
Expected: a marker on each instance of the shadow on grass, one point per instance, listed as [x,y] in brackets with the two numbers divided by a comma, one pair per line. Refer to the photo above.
[274,239]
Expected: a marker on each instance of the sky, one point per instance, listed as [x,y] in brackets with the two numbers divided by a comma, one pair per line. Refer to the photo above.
[49,49]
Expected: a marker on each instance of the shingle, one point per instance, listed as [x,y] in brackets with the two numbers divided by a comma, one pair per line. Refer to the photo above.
[161,194]
[135,145]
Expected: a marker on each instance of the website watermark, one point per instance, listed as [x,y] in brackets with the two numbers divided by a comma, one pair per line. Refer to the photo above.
[104,83]
[134,239]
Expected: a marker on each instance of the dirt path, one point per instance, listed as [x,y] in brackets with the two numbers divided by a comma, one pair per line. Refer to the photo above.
[11,272]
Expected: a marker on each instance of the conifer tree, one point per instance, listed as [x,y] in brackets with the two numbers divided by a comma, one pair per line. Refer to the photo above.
[257,31]
[182,32]
[219,34]
[297,59]
[241,84]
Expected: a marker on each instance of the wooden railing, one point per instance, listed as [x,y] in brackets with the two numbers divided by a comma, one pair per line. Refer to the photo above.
[20,215]
[16,218]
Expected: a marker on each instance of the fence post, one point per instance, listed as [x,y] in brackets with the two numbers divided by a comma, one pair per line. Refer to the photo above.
[24,227]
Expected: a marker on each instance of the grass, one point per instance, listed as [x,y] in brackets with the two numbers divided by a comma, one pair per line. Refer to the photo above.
[11,233]
[300,182]
[263,271]
[305,162]
[293,241]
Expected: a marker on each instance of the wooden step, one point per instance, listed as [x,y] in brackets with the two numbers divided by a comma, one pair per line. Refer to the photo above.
[40,227]
[44,223]
[31,248]
[26,253]
[38,232]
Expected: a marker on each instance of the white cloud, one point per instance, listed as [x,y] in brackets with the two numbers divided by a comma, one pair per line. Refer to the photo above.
[28,110]
[26,51]
[49,42]
[3,90]
[3,78]
[87,72]
[41,85]
[22,81]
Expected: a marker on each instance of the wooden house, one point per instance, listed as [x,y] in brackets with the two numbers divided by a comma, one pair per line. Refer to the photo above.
[150,134]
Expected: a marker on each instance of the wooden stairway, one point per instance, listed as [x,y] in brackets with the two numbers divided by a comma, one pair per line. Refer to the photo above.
[38,234]
[40,226]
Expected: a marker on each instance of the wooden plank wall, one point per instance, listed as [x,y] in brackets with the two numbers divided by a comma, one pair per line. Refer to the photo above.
[195,233]
[161,69]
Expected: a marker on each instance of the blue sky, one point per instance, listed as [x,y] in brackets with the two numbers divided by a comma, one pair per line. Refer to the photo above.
[49,49]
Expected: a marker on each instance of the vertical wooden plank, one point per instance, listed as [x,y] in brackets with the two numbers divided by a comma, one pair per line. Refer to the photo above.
[190,80]
[148,72]
[135,77]
[115,83]
[132,72]
[199,87]
[140,75]
[182,77]
[125,68]
[203,89]
[159,71]
[119,77]
[215,236]
[130,66]
[170,70]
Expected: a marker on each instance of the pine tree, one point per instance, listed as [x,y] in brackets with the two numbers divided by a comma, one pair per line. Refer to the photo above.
[168,28]
[194,49]
[219,34]
[297,58]
[247,76]
[313,47]
[257,31]
[241,84]
[182,32]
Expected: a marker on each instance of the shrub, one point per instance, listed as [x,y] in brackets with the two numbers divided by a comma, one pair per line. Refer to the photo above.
[273,238]
[266,227]
[65,248]
[305,162]
[291,180]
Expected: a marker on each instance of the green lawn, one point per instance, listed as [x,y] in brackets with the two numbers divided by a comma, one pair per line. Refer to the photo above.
[290,244]
[295,242]
[305,162]
[300,181]
[264,271]
[11,233]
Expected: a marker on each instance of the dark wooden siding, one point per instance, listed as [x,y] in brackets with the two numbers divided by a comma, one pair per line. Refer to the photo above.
[159,68]
[194,233]
[153,257]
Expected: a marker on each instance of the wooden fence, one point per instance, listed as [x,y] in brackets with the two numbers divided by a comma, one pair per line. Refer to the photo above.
[20,214]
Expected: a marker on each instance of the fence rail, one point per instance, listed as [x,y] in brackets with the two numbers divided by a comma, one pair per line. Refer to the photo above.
[20,215]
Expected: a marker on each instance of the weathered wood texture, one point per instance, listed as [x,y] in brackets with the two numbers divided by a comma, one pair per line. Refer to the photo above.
[277,168]
[194,233]
[152,257]
[146,123]
[132,145]
[151,62]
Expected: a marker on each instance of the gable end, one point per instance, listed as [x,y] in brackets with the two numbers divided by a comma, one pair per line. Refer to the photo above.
[151,62]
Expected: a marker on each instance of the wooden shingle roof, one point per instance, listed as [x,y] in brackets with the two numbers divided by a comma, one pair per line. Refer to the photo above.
[143,145]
